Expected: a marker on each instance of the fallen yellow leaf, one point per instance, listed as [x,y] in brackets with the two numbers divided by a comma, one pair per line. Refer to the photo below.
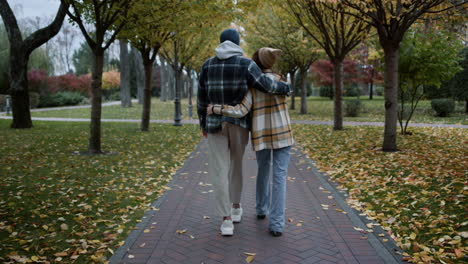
[249,259]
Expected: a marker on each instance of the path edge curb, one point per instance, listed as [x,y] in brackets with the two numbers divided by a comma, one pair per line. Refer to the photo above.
[384,250]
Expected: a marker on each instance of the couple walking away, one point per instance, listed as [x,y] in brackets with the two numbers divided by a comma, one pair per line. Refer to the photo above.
[237,95]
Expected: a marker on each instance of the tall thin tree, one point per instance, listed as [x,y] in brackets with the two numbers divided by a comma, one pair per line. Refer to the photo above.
[392,19]
[125,96]
[108,18]
[336,32]
[20,50]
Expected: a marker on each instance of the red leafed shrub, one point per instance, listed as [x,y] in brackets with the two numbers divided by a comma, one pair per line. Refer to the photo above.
[37,81]
[323,70]
[70,83]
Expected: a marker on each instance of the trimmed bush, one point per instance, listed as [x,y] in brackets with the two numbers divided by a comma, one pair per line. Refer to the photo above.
[326,91]
[352,90]
[61,99]
[115,96]
[443,107]
[34,99]
[379,90]
[353,107]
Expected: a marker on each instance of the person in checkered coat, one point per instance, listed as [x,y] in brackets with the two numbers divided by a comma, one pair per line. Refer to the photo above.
[271,137]
[225,79]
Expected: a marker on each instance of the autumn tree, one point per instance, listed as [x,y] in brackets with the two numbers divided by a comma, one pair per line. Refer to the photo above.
[20,50]
[108,19]
[324,71]
[391,19]
[336,32]
[428,57]
[162,21]
[271,26]
[203,22]
[194,51]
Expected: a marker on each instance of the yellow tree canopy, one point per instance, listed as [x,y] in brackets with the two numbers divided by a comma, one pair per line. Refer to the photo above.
[271,26]
[330,25]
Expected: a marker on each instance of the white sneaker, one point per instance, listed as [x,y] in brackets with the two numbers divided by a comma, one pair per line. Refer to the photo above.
[227,228]
[236,215]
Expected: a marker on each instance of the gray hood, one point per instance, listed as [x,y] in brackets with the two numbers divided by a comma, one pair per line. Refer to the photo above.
[228,49]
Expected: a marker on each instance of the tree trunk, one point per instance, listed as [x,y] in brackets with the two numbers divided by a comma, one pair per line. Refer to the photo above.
[125,97]
[145,118]
[190,93]
[303,74]
[178,92]
[371,90]
[293,95]
[19,91]
[163,72]
[338,86]
[171,82]
[139,74]
[466,106]
[96,100]
[391,97]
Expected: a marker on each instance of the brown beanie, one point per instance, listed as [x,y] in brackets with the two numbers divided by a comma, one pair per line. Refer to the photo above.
[268,56]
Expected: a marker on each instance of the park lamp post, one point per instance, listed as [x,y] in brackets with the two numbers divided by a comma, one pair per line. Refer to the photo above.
[8,104]
[177,112]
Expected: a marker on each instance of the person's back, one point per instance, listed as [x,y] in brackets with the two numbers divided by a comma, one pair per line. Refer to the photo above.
[225,79]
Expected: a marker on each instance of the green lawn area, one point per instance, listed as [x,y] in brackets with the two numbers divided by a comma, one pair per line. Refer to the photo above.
[57,206]
[159,111]
[319,108]
[418,194]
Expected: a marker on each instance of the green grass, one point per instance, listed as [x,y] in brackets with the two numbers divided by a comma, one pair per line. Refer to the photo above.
[159,110]
[53,201]
[417,194]
[318,109]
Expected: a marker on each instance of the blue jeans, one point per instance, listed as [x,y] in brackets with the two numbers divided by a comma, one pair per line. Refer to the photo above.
[272,203]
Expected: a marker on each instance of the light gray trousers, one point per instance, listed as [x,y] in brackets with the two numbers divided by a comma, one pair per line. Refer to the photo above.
[225,152]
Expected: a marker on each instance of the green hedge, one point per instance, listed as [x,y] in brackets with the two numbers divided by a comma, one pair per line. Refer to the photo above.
[443,107]
[61,99]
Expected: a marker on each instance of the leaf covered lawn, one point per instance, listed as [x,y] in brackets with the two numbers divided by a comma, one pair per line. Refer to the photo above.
[417,194]
[57,206]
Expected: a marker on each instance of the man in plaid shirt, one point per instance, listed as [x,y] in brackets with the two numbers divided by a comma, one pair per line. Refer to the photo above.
[225,79]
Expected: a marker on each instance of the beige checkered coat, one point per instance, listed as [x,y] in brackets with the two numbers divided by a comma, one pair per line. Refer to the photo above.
[271,125]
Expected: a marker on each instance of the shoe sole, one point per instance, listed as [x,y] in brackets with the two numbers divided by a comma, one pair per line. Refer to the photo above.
[227,233]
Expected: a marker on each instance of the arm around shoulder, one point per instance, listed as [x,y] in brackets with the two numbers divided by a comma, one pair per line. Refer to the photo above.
[263,83]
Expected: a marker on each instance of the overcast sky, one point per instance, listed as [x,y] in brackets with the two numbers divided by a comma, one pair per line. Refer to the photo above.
[34,8]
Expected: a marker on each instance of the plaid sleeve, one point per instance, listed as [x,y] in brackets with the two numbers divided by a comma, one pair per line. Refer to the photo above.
[260,81]
[202,100]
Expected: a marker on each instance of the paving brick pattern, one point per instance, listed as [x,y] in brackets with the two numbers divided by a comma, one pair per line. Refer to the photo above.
[313,235]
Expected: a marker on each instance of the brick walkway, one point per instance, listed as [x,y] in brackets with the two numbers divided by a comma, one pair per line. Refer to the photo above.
[314,235]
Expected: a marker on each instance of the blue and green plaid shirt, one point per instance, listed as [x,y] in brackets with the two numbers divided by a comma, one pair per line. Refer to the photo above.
[226,81]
